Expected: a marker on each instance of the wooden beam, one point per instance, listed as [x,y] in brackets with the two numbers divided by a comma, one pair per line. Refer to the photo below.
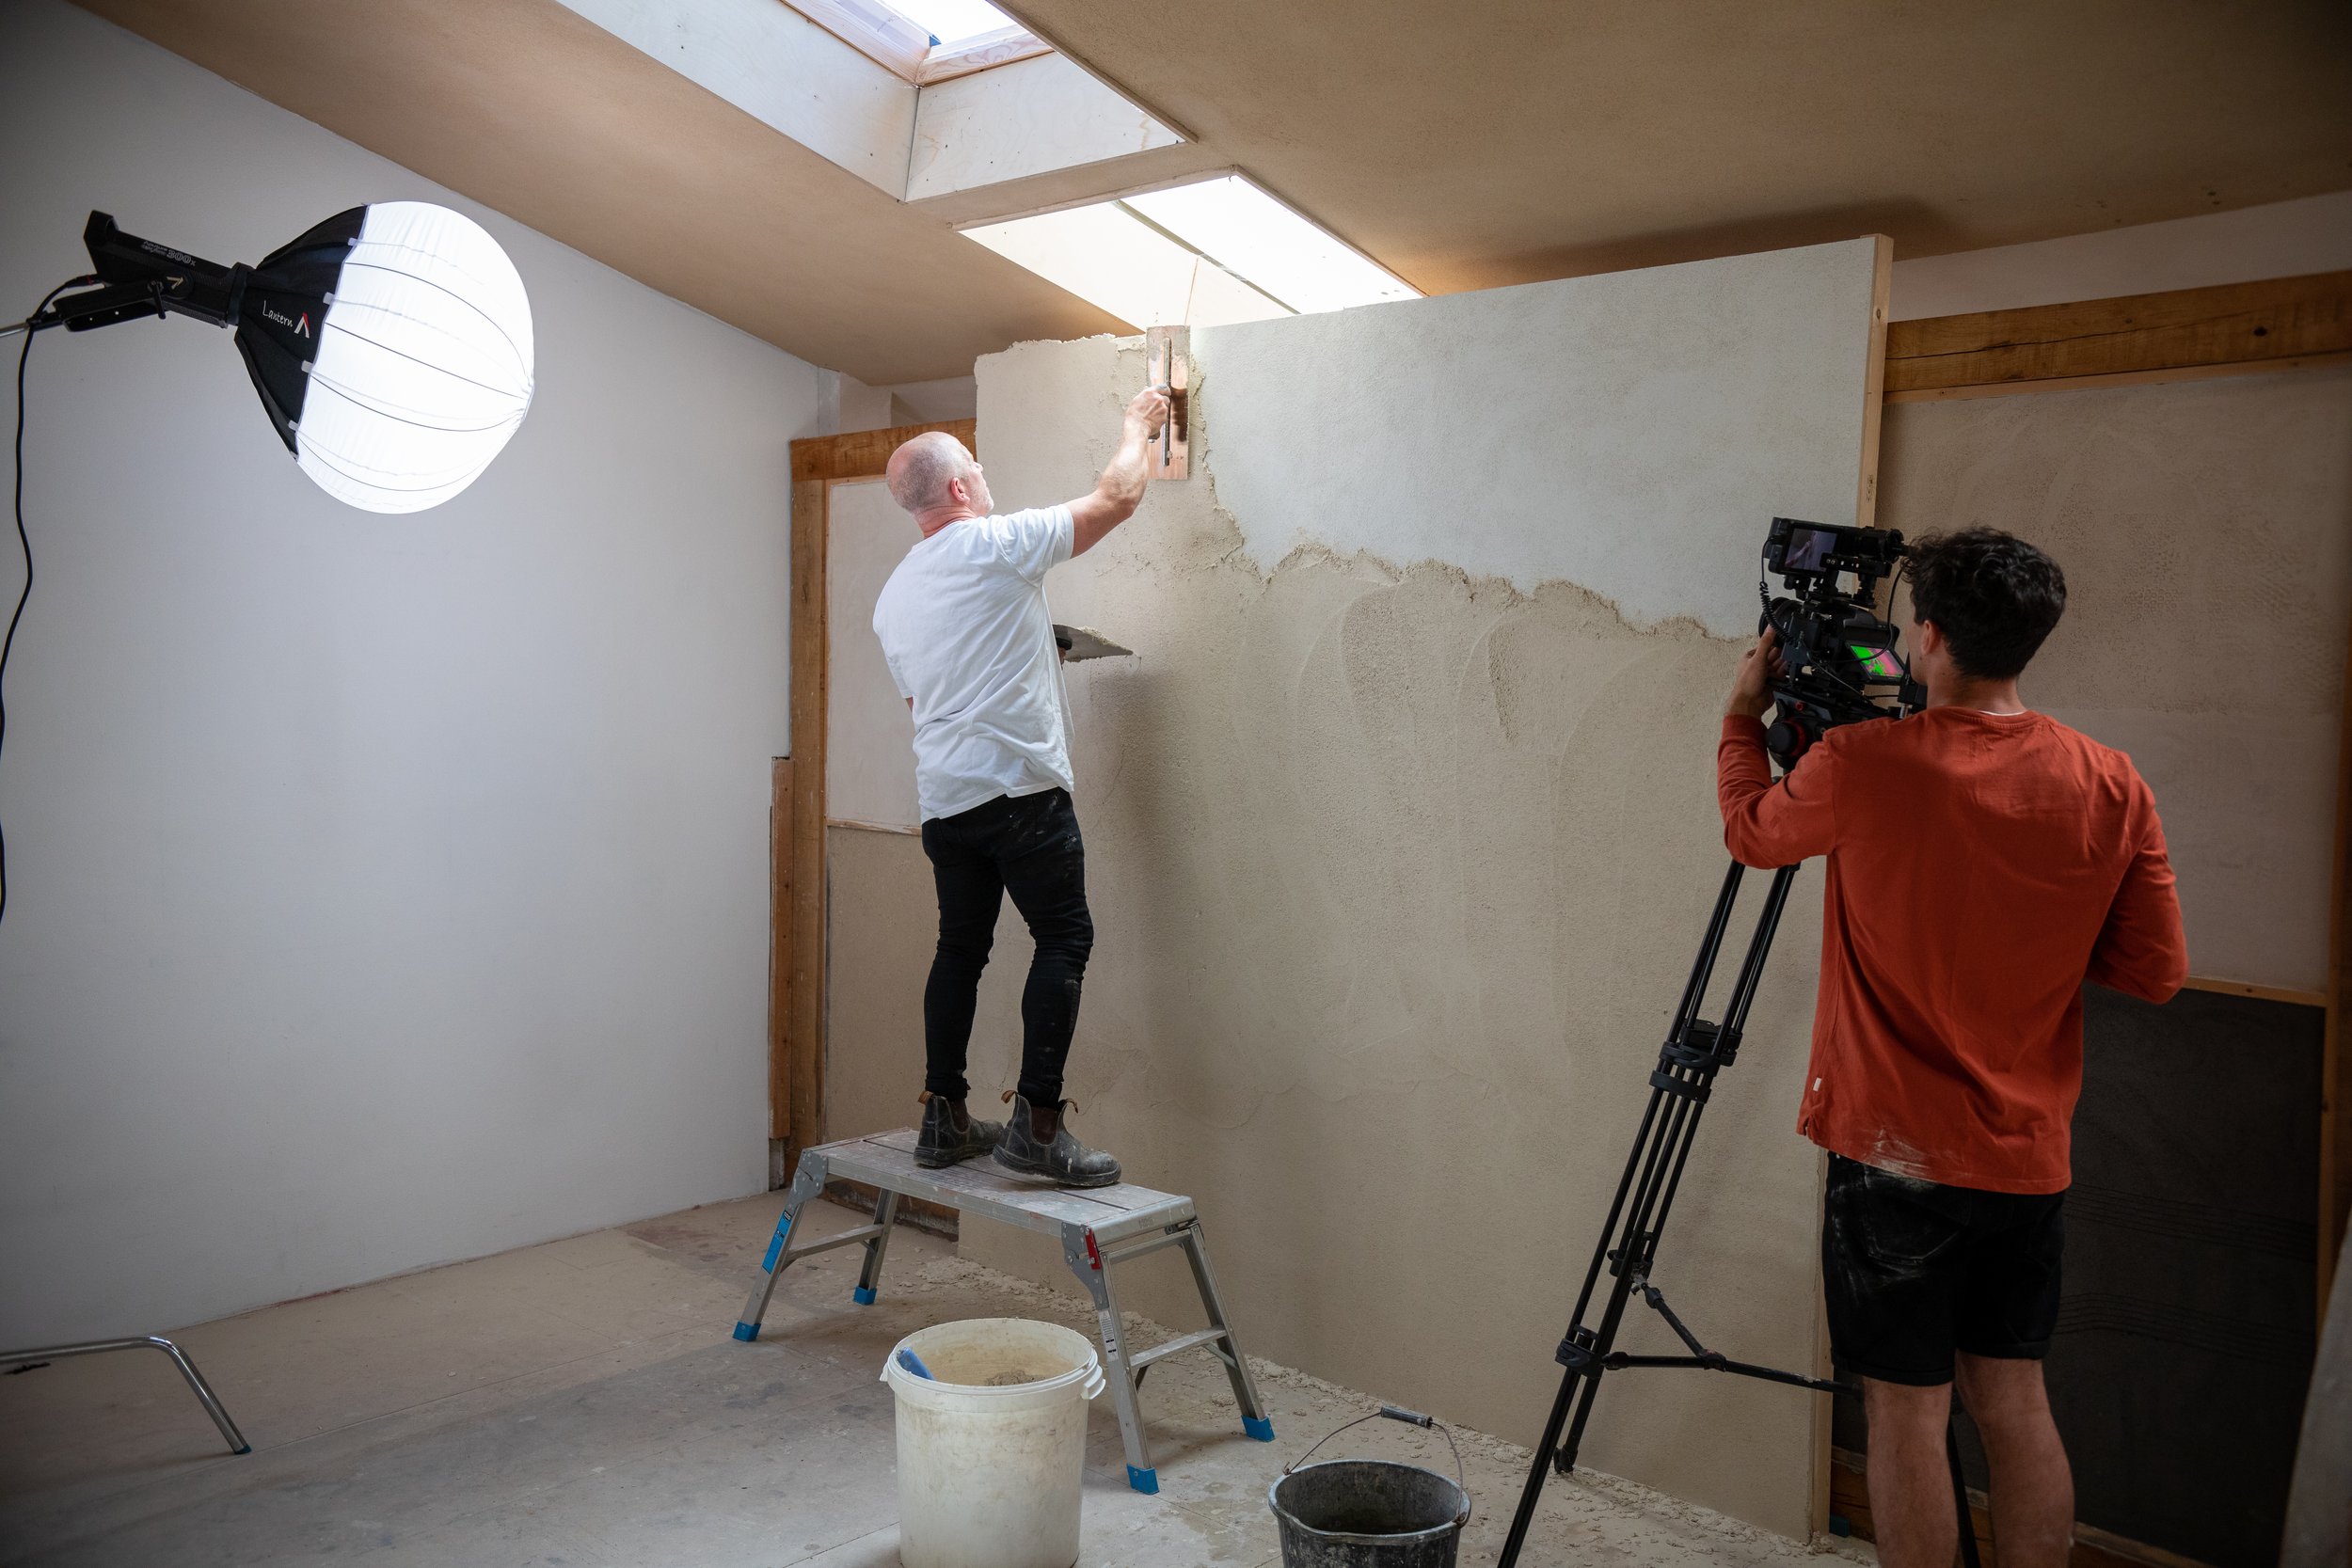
[2264,325]
[864,453]
[779,948]
[1873,398]
[804,1050]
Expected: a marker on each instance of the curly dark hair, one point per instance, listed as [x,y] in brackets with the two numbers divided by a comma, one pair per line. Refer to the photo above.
[1994,597]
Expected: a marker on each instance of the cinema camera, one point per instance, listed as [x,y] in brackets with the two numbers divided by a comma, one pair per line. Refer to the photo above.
[1839,663]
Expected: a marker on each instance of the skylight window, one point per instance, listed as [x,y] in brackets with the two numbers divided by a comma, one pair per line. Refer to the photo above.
[953,22]
[1207,254]
[925,40]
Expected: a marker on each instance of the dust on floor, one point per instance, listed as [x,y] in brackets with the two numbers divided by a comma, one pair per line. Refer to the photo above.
[583,1404]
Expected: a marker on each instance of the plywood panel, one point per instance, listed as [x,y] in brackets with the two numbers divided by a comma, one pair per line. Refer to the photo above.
[870,756]
[2205,529]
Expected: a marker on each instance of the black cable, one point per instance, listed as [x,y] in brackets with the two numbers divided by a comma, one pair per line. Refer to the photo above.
[23,544]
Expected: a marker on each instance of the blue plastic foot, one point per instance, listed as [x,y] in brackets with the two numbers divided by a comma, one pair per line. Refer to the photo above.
[863,1296]
[1145,1482]
[747,1331]
[247,1448]
[1260,1427]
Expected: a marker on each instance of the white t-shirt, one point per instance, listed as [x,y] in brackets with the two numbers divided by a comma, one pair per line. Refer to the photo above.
[963,623]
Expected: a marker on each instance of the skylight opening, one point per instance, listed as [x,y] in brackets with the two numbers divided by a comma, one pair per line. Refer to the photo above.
[954,22]
[1207,254]
[925,40]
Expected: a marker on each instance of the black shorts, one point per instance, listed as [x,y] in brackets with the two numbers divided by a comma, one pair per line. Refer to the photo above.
[1916,1270]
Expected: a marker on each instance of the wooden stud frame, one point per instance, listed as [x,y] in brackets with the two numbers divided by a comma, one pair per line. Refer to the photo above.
[796,1018]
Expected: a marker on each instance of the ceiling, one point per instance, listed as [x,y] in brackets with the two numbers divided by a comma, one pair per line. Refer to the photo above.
[1462,144]
[1472,144]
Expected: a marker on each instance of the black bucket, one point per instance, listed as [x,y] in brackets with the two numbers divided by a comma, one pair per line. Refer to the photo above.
[1369,1513]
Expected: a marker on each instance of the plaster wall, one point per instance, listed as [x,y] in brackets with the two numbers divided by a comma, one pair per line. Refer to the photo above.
[1401,829]
[384,891]
[2205,529]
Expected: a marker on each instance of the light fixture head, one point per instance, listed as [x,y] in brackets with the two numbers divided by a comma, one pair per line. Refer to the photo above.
[391,344]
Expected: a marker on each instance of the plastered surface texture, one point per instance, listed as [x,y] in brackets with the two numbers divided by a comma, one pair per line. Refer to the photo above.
[1401,831]
[2206,529]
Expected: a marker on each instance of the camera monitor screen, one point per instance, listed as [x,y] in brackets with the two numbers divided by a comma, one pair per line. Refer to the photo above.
[1808,550]
[1879,663]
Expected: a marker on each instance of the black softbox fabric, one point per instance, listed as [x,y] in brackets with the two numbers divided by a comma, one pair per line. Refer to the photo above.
[283,307]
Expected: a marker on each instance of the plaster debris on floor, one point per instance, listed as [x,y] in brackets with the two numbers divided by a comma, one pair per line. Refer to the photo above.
[582,1403]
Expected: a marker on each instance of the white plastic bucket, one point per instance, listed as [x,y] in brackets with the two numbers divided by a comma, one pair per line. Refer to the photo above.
[991,1447]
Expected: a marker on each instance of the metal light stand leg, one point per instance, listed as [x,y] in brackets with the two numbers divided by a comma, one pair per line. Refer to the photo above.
[202,1389]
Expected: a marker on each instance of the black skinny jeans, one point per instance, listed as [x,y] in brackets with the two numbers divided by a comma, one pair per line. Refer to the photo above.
[1029,846]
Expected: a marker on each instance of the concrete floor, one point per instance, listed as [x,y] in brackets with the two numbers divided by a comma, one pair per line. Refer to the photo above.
[583,1404]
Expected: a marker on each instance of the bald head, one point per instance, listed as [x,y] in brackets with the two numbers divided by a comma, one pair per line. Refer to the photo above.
[921,470]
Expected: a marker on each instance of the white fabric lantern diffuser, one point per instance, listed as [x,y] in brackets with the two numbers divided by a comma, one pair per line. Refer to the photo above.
[391,345]
[421,367]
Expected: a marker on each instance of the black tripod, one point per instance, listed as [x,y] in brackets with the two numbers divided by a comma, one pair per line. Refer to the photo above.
[1694,1051]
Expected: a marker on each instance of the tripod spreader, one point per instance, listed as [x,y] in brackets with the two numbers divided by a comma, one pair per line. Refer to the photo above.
[1695,1051]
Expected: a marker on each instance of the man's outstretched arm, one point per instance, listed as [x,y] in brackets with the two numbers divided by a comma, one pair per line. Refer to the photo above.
[1120,491]
[1768,825]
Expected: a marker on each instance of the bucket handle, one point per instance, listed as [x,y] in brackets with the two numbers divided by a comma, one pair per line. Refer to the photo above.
[1410,1418]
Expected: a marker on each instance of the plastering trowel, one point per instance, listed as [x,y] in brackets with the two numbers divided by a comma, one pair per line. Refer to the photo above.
[1077,642]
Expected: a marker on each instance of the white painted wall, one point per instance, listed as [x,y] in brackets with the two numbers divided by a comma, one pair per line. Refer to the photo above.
[385,890]
[2281,239]
[1031,116]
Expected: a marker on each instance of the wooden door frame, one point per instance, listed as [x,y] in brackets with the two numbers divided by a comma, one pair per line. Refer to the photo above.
[796,991]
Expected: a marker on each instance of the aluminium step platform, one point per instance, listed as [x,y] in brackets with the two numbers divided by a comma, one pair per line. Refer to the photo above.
[1098,1227]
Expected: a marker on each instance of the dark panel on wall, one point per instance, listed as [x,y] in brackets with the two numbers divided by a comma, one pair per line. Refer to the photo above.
[2184,1337]
[2185,1334]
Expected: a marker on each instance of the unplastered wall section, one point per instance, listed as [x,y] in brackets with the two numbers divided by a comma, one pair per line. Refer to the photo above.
[2206,529]
[1401,829]
[383,889]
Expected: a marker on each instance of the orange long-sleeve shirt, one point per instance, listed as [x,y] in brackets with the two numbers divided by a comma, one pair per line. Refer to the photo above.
[1981,867]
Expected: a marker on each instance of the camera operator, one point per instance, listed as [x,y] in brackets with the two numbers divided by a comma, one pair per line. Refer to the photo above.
[1985,860]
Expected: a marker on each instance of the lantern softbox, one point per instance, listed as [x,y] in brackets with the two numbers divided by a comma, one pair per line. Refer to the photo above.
[391,345]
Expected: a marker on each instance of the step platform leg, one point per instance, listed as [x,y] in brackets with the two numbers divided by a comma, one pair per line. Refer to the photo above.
[807,1183]
[1086,1262]
[869,1277]
[1254,1419]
